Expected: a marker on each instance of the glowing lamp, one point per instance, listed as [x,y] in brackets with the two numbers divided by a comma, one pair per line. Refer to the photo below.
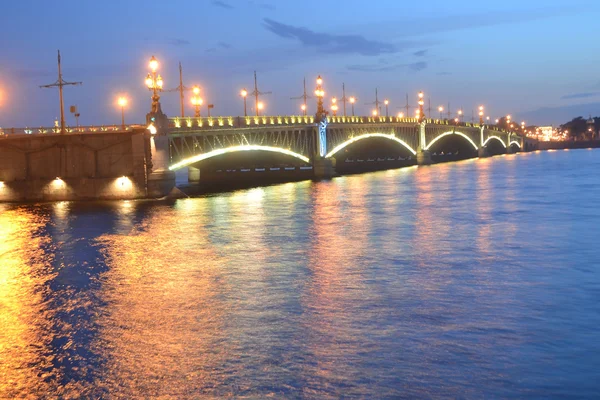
[153,64]
[243,93]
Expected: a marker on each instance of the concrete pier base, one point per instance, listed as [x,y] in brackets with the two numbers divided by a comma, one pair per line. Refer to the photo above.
[160,183]
[482,152]
[324,168]
[193,175]
[509,150]
[423,157]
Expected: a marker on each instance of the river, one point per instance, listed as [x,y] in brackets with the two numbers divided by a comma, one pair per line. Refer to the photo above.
[475,279]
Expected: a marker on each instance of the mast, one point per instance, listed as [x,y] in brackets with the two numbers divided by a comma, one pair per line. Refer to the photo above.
[60,83]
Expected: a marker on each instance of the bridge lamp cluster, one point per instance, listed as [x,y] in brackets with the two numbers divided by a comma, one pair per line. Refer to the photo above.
[481,115]
[154,83]
[334,106]
[196,101]
[320,93]
[419,112]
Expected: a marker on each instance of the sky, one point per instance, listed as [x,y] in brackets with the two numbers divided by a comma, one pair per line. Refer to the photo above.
[536,60]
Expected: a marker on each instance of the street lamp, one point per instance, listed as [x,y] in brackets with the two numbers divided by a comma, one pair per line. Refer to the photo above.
[386,102]
[400,115]
[259,107]
[421,114]
[122,103]
[352,101]
[480,115]
[374,112]
[244,93]
[154,83]
[441,110]
[460,113]
[303,108]
[196,101]
[320,93]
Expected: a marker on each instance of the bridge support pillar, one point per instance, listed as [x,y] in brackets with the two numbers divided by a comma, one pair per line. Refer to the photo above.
[424,157]
[483,152]
[509,150]
[324,168]
[193,175]
[161,181]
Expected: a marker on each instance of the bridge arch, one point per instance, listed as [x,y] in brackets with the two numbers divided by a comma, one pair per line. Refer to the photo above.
[514,142]
[496,138]
[452,133]
[234,149]
[366,136]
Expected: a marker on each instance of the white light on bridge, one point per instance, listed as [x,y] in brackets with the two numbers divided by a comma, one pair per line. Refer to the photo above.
[218,152]
[369,135]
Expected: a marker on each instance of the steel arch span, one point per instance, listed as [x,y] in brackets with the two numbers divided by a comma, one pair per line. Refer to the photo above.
[355,139]
[452,133]
[235,149]
[496,138]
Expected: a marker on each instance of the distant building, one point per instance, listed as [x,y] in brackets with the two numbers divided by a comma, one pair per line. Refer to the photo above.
[591,129]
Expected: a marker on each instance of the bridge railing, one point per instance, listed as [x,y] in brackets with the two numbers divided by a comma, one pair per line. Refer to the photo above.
[238,122]
[5,132]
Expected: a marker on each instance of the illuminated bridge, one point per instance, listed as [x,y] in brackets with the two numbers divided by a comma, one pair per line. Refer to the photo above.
[335,145]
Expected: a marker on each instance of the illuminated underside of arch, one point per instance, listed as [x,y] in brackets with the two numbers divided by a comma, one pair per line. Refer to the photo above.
[452,133]
[366,136]
[494,137]
[515,142]
[234,149]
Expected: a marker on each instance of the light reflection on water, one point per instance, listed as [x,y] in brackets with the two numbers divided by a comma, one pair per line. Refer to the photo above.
[472,279]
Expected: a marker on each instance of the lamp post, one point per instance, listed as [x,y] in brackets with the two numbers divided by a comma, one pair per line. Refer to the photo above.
[386,102]
[196,101]
[154,83]
[480,115]
[334,106]
[259,107]
[421,113]
[244,94]
[460,113]
[303,108]
[400,115]
[441,110]
[352,101]
[122,103]
[320,93]
[375,112]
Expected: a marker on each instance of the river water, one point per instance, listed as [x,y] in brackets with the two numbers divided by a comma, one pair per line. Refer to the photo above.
[476,279]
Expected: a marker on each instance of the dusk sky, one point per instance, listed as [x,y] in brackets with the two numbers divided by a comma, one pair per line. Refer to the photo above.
[537,60]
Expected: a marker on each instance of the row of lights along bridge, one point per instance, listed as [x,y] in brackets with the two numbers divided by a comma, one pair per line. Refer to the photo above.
[154,82]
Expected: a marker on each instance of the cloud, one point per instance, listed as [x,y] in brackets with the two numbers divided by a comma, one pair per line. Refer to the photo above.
[420,53]
[178,42]
[558,115]
[264,6]
[329,43]
[384,67]
[580,95]
[224,45]
[444,73]
[222,4]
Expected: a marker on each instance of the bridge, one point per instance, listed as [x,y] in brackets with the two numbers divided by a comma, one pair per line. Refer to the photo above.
[326,145]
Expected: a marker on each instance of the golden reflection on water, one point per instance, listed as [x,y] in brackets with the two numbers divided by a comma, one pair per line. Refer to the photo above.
[24,357]
[163,306]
